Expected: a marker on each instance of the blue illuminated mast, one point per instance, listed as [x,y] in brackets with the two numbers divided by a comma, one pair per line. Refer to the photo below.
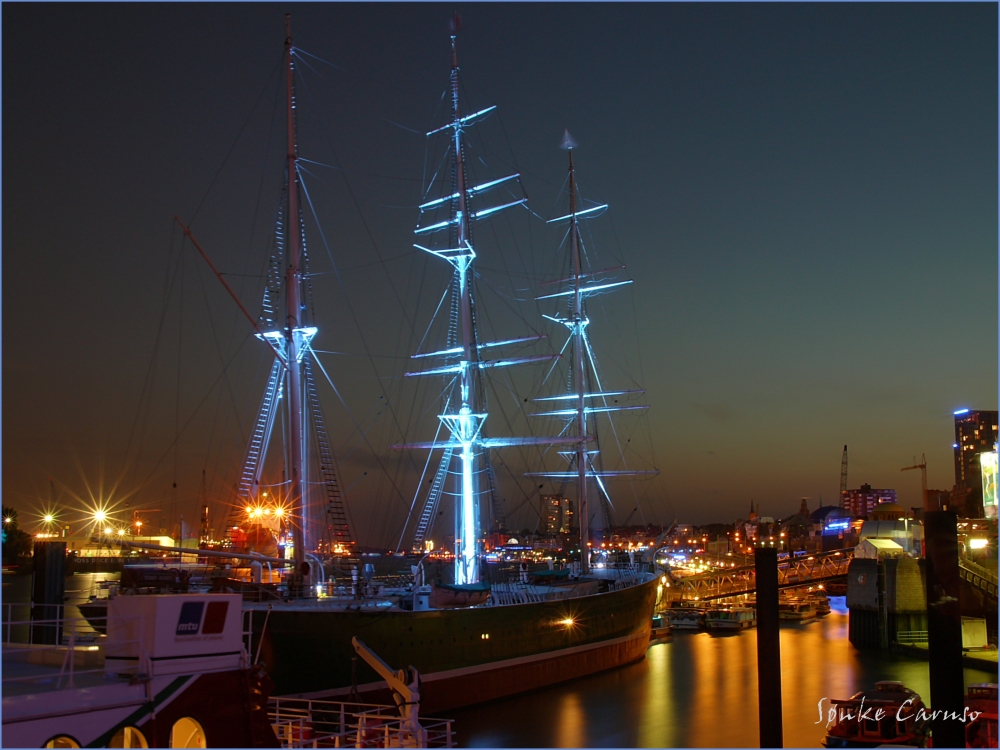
[575,290]
[464,408]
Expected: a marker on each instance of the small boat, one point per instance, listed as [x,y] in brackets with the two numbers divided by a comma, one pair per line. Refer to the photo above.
[981,731]
[822,605]
[686,618]
[889,715]
[459,594]
[730,618]
[661,630]
[798,610]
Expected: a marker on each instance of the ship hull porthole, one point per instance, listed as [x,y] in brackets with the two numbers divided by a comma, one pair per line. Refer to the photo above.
[187,732]
[63,740]
[128,737]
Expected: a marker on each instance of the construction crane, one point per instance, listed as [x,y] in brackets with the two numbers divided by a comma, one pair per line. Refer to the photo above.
[923,477]
[843,477]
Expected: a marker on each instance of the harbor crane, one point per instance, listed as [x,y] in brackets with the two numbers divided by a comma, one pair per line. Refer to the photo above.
[923,477]
[406,694]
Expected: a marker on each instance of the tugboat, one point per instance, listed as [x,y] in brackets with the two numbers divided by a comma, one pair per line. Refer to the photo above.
[871,718]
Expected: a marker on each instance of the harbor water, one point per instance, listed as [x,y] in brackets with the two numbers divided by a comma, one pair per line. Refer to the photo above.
[697,690]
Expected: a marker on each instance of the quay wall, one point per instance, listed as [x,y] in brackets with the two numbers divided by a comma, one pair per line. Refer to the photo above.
[887,602]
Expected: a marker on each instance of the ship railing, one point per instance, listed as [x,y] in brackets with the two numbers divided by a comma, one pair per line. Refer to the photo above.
[911,636]
[27,629]
[60,641]
[301,723]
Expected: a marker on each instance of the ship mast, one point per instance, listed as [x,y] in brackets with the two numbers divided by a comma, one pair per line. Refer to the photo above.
[468,424]
[578,324]
[464,414]
[576,288]
[292,330]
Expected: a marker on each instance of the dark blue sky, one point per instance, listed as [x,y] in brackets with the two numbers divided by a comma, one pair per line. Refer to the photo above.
[806,196]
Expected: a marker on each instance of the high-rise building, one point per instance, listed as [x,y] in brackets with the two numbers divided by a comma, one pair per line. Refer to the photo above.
[975,433]
[862,501]
[556,514]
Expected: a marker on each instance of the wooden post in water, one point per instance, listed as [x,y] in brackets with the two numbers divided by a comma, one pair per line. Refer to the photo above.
[48,590]
[944,626]
[768,648]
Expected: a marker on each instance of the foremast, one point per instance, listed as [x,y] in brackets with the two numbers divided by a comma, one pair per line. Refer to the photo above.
[291,376]
[296,338]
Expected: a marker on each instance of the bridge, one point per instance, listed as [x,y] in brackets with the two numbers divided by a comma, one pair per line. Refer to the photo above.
[793,572]
[979,577]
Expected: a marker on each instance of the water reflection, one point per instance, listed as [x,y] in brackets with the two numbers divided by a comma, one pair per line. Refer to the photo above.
[699,690]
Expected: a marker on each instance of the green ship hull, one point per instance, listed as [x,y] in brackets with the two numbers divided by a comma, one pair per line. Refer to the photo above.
[464,656]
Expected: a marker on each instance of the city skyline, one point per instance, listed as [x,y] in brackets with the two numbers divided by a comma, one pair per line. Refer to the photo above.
[805,195]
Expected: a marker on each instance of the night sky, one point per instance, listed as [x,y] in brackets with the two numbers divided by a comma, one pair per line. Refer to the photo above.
[805,195]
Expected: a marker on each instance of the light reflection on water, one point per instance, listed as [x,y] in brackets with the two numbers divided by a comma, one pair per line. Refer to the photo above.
[697,690]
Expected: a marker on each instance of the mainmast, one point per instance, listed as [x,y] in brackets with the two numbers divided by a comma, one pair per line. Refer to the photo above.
[467,425]
[464,412]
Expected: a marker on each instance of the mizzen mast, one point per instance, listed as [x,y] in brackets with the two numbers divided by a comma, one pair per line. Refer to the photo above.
[577,321]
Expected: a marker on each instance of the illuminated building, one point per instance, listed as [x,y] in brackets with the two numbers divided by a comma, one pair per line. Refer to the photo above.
[975,433]
[556,514]
[862,501]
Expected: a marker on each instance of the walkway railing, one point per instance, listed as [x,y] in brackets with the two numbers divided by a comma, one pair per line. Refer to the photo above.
[795,572]
[299,722]
[911,636]
[74,641]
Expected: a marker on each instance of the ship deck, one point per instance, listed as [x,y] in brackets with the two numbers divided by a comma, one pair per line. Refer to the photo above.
[30,669]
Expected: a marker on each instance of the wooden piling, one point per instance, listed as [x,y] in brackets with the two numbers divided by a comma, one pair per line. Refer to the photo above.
[768,648]
[944,627]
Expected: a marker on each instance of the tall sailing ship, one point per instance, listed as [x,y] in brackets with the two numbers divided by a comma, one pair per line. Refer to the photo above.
[521,636]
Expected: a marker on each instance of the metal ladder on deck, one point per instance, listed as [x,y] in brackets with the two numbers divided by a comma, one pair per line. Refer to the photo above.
[336,511]
[426,522]
[254,459]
